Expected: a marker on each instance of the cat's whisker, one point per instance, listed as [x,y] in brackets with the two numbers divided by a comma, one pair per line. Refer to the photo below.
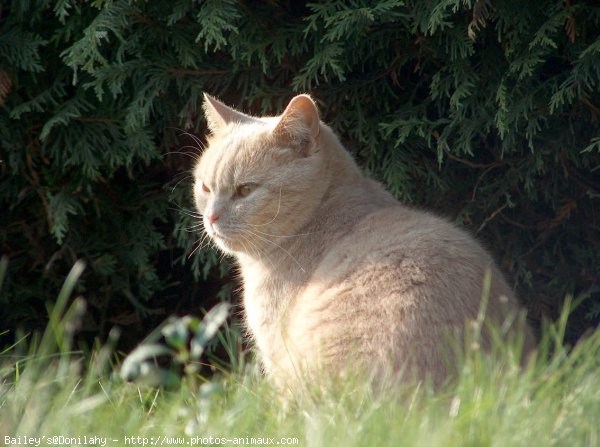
[192,136]
[179,207]
[193,222]
[178,179]
[193,156]
[188,212]
[196,156]
[259,253]
[278,246]
[194,228]
[184,173]
[203,242]
[274,217]
[252,248]
[198,247]
[199,223]
[286,235]
[182,180]
[197,140]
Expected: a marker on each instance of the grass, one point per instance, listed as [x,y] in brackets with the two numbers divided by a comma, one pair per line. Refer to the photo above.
[47,389]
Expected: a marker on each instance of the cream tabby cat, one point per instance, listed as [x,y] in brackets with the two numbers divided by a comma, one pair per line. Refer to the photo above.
[336,273]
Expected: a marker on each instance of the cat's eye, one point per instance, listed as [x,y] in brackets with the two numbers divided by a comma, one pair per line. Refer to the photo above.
[245,189]
[205,188]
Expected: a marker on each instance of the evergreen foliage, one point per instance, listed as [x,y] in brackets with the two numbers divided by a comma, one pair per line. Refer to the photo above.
[484,110]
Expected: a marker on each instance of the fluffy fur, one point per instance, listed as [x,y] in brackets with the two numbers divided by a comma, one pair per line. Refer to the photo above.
[336,273]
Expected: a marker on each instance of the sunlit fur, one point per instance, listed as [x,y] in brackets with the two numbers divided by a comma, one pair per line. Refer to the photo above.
[337,274]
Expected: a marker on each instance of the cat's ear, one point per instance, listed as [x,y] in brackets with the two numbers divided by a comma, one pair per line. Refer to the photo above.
[299,125]
[218,115]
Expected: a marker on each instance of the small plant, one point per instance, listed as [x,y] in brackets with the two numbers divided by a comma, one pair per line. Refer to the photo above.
[184,340]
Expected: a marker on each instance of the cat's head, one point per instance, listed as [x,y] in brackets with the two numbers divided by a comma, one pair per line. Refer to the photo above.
[259,179]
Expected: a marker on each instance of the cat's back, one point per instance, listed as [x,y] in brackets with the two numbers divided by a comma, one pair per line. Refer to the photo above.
[395,284]
[396,250]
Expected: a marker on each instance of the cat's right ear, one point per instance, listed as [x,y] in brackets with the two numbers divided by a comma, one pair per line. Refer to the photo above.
[299,126]
[218,115]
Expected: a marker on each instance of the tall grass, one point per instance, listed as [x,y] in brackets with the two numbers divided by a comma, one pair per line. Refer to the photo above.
[49,389]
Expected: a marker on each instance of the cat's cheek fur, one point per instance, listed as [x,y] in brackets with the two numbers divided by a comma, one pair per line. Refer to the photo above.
[199,197]
[257,210]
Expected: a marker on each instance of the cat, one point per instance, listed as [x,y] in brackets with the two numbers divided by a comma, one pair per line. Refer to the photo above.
[337,274]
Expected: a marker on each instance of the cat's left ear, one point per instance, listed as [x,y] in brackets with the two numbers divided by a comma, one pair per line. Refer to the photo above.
[218,115]
[299,126]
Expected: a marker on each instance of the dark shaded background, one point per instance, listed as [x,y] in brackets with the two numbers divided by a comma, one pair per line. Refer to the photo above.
[485,111]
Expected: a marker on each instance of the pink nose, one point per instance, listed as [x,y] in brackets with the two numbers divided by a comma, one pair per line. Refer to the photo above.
[212,218]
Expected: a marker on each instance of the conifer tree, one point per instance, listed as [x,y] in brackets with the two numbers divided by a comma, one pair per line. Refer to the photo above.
[484,110]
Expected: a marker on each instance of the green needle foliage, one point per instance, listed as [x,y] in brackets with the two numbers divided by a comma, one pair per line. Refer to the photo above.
[484,110]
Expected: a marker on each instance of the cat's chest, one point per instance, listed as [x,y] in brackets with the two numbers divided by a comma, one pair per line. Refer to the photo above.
[267,295]
[264,294]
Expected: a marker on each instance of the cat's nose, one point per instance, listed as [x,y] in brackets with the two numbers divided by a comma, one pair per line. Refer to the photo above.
[212,218]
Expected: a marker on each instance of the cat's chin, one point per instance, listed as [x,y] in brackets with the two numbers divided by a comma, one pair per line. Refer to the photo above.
[226,245]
